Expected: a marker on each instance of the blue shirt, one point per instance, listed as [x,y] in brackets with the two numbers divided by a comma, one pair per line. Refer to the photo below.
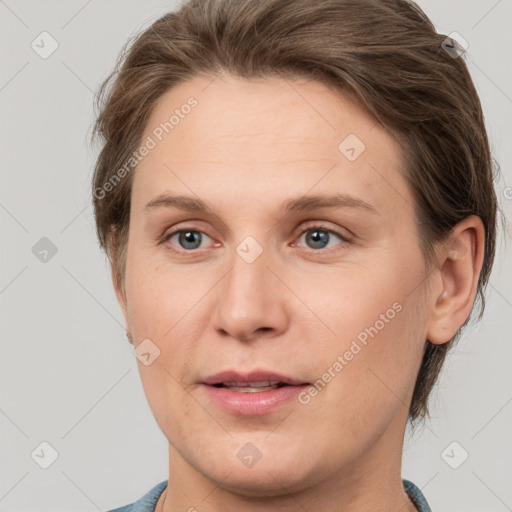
[148,502]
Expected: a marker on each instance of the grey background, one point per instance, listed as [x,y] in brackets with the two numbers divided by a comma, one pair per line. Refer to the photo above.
[68,375]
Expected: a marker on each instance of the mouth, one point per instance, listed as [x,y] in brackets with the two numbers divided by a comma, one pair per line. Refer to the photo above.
[254,393]
[250,387]
[255,381]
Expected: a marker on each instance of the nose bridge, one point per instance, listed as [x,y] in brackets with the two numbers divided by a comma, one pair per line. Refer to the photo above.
[249,297]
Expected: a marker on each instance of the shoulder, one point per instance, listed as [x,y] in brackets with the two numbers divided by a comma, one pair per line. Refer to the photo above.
[416,496]
[146,503]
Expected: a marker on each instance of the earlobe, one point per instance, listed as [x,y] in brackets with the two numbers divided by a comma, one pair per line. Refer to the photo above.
[460,264]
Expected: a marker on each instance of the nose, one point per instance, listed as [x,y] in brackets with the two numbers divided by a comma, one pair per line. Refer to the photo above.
[252,300]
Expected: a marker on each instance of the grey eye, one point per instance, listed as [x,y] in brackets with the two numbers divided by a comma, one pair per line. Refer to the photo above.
[188,239]
[320,238]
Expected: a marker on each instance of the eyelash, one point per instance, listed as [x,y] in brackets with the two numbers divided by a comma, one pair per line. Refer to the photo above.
[316,227]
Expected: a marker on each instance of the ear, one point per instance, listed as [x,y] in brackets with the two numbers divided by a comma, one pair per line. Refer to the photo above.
[113,252]
[460,262]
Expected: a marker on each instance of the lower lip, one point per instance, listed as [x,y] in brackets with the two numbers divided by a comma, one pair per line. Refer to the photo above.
[252,404]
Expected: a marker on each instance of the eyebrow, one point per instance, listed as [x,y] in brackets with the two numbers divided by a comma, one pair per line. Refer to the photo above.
[304,203]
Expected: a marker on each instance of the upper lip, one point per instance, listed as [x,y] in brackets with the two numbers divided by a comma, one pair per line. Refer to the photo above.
[251,376]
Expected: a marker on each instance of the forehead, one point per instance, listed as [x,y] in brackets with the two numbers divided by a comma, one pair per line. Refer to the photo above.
[273,137]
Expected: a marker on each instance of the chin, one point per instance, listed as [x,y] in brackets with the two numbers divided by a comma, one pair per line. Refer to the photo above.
[278,471]
[261,483]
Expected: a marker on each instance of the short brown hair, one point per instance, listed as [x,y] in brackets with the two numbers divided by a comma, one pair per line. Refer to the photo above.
[385,53]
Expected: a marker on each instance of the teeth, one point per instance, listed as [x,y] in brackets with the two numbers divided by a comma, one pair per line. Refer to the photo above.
[251,389]
[262,384]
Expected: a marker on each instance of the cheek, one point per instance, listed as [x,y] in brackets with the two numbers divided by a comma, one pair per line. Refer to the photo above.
[157,298]
[166,309]
[372,359]
[368,386]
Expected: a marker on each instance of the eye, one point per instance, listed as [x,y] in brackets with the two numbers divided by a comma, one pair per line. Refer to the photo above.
[188,239]
[316,237]
[319,237]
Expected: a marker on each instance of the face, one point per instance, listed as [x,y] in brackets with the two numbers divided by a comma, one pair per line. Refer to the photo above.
[303,268]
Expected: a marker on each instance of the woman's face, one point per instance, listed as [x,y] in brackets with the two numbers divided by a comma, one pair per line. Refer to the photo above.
[305,264]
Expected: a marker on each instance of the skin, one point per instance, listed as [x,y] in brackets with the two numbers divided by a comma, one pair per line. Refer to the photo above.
[246,148]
